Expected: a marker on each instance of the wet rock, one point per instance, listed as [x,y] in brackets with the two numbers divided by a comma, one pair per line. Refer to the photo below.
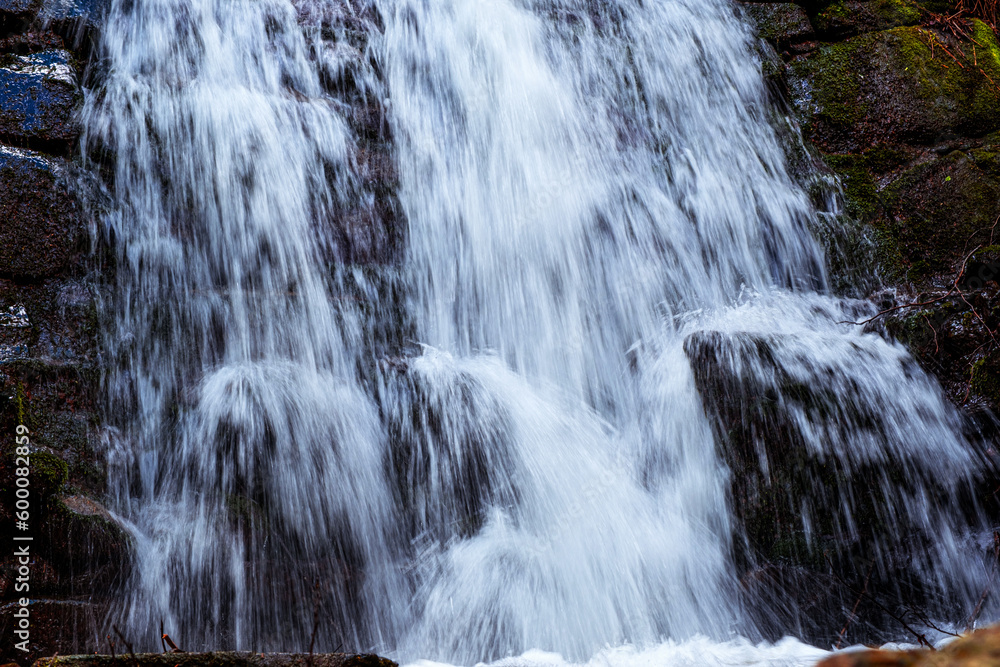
[30,42]
[980,649]
[782,23]
[88,549]
[38,98]
[450,434]
[57,627]
[17,11]
[363,236]
[41,230]
[224,659]
[907,84]
[803,515]
[74,20]
[846,18]
[940,209]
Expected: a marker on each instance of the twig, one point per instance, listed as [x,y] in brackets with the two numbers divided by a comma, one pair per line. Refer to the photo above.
[933,331]
[312,637]
[954,288]
[163,644]
[854,609]
[986,591]
[922,617]
[920,638]
[111,644]
[135,661]
[170,642]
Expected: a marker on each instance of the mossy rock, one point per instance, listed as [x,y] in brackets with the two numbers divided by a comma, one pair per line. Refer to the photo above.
[796,509]
[223,659]
[851,17]
[938,211]
[88,548]
[986,378]
[781,23]
[898,86]
[48,473]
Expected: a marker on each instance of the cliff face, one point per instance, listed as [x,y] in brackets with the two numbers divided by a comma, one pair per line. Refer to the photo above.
[899,100]
[48,335]
[902,103]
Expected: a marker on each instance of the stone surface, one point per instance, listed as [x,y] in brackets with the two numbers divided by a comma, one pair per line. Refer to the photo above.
[41,230]
[38,97]
[223,659]
[18,10]
[898,85]
[844,18]
[57,626]
[980,649]
[795,549]
[783,23]
[74,20]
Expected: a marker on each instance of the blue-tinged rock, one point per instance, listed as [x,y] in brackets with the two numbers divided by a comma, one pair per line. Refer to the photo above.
[39,95]
[72,19]
[18,10]
[41,228]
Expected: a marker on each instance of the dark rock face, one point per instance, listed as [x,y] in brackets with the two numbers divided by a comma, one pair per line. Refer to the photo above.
[895,86]
[74,20]
[18,10]
[41,229]
[223,659]
[811,527]
[48,349]
[38,97]
[902,103]
[783,23]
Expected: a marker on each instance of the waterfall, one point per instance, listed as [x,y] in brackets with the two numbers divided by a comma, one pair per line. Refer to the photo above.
[605,259]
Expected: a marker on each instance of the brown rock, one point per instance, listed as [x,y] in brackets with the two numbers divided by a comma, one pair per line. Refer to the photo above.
[41,229]
[224,659]
[980,649]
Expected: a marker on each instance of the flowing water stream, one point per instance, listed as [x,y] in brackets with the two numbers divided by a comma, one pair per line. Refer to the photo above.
[596,201]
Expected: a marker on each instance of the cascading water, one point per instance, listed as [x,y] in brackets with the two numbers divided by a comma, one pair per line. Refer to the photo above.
[598,211]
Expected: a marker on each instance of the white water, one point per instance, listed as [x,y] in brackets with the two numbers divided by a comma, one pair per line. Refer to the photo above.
[585,185]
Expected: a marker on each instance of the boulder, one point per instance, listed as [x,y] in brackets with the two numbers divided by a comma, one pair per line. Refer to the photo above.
[18,11]
[846,18]
[782,23]
[222,659]
[807,513]
[41,228]
[939,210]
[74,20]
[39,95]
[980,649]
[907,84]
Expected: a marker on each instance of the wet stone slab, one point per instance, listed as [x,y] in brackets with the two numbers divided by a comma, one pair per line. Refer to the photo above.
[38,97]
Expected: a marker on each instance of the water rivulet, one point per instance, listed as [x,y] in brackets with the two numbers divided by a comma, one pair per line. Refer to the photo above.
[597,393]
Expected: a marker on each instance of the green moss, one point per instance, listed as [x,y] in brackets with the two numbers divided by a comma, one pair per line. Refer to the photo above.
[986,379]
[937,211]
[898,85]
[897,12]
[19,402]
[860,190]
[48,473]
[839,17]
[889,257]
